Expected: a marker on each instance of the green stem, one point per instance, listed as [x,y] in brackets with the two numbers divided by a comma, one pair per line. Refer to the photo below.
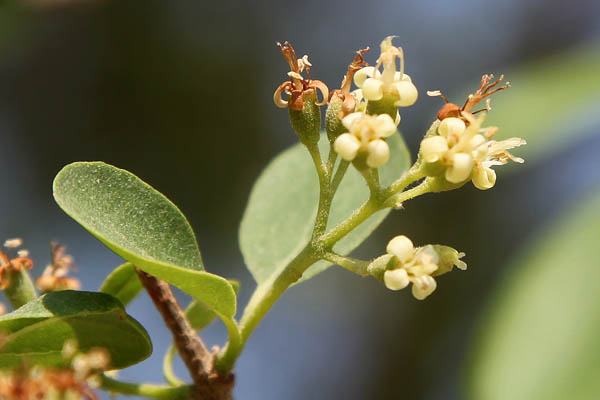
[427,186]
[339,175]
[345,227]
[351,264]
[265,295]
[234,346]
[415,173]
[324,192]
[168,367]
[144,389]
[20,289]
[331,160]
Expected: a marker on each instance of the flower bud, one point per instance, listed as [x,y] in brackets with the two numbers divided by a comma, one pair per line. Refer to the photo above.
[346,145]
[372,89]
[396,279]
[484,178]
[333,124]
[407,92]
[402,247]
[433,147]
[423,286]
[307,121]
[452,127]
[462,165]
[379,153]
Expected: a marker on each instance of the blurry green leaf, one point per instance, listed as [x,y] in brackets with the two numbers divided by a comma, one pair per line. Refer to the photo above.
[36,332]
[122,283]
[142,226]
[540,338]
[549,101]
[280,215]
[199,316]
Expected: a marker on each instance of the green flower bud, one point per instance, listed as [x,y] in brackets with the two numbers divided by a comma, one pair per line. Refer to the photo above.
[307,121]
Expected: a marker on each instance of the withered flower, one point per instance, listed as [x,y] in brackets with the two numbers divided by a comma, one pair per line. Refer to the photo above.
[54,277]
[12,264]
[452,110]
[343,93]
[297,86]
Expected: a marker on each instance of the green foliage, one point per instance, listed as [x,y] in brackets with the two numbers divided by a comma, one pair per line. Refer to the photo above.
[36,332]
[122,283]
[142,226]
[199,316]
[281,211]
[541,334]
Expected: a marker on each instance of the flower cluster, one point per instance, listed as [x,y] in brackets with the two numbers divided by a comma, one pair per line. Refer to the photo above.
[418,266]
[54,277]
[366,133]
[391,84]
[467,152]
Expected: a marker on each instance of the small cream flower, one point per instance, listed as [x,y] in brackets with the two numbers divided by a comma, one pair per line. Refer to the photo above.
[467,151]
[414,266]
[391,83]
[365,134]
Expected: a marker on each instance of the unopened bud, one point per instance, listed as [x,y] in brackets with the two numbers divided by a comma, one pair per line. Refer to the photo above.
[307,122]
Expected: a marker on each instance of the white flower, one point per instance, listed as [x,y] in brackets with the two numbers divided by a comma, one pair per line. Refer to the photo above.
[390,83]
[414,266]
[467,151]
[365,134]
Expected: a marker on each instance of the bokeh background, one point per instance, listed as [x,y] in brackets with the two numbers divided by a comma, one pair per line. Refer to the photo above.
[179,92]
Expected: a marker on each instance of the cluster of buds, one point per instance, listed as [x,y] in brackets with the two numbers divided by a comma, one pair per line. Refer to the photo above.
[353,128]
[404,264]
[391,84]
[15,264]
[461,148]
[55,275]
[86,365]
[366,133]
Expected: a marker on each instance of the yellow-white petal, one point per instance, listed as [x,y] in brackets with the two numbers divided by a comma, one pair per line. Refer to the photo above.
[363,74]
[484,178]
[372,89]
[402,247]
[379,153]
[408,93]
[384,125]
[349,120]
[405,77]
[452,127]
[423,287]
[433,148]
[346,145]
[462,166]
[396,279]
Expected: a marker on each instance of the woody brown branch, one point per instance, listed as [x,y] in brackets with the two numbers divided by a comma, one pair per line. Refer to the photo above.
[199,361]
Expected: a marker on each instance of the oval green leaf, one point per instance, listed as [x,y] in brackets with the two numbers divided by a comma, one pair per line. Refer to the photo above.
[142,226]
[281,211]
[36,332]
[540,337]
[122,283]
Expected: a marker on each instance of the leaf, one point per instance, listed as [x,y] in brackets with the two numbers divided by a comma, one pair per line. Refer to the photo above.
[540,336]
[199,316]
[122,283]
[142,226]
[549,102]
[37,331]
[280,215]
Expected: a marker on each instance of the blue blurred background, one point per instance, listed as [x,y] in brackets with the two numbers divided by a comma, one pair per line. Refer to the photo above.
[179,93]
